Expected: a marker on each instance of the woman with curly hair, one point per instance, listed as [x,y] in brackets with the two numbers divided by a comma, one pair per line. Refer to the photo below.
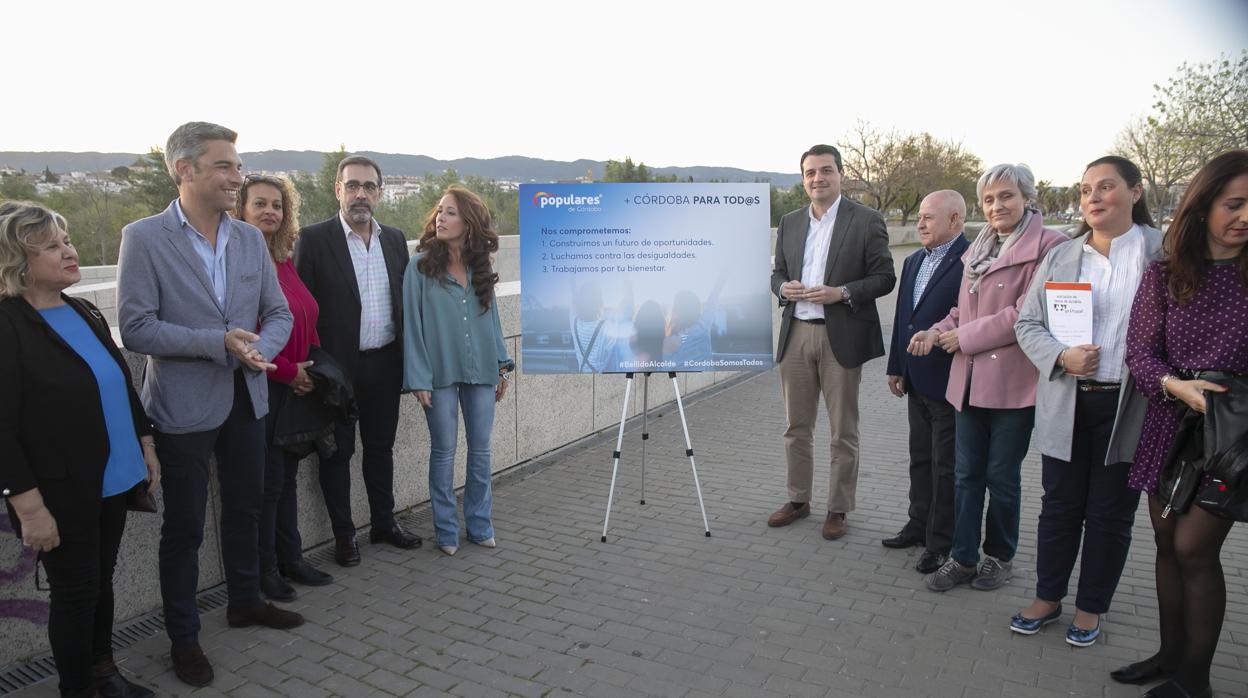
[1190,316]
[448,293]
[272,205]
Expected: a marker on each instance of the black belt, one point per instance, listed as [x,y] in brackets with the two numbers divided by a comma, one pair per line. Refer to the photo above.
[1090,386]
[366,352]
[811,321]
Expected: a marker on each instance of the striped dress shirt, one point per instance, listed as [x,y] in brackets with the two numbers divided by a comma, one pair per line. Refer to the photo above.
[376,319]
[928,267]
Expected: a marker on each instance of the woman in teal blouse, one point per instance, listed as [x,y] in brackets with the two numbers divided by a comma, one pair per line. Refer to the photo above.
[453,355]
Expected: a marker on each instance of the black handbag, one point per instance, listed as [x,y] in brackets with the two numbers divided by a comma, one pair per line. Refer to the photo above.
[1213,444]
[1226,495]
[1184,466]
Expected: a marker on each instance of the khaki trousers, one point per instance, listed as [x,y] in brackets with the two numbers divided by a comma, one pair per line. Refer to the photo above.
[807,370]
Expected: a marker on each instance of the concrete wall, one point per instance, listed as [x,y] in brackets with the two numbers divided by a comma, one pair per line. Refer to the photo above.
[539,414]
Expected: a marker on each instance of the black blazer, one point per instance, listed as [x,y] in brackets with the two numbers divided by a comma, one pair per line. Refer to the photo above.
[928,375]
[52,431]
[859,259]
[324,263]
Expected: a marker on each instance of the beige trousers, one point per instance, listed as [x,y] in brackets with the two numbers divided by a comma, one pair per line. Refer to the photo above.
[807,370]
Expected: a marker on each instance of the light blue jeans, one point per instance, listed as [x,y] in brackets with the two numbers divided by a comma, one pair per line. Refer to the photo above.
[443,418]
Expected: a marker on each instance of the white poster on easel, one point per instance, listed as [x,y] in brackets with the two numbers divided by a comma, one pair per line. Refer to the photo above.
[619,278]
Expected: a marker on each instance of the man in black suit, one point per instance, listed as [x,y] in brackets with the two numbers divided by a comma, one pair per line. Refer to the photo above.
[832,262]
[354,267]
[930,279]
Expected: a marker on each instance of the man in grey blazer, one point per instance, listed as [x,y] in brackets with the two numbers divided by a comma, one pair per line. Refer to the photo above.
[832,261]
[193,288]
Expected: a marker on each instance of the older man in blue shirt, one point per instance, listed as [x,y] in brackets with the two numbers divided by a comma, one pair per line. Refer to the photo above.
[930,279]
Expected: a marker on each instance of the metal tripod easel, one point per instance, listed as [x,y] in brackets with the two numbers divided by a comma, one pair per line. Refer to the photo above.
[645,436]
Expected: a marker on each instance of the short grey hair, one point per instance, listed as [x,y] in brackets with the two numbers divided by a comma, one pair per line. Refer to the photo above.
[24,228]
[190,140]
[1019,175]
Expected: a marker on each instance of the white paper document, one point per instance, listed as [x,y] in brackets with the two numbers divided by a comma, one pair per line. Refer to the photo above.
[1069,310]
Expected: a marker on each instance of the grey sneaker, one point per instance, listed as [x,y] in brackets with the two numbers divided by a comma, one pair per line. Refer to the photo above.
[992,573]
[950,574]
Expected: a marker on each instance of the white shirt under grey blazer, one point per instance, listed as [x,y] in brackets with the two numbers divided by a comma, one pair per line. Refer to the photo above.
[1055,391]
[167,309]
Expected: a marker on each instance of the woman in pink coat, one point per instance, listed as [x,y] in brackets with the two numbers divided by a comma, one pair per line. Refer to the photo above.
[992,384]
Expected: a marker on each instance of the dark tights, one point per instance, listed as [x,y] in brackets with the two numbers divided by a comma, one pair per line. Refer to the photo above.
[1191,590]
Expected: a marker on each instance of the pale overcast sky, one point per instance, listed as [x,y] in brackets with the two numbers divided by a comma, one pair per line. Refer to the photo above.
[748,84]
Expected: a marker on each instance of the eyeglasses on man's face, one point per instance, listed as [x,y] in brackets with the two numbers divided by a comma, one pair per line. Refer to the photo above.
[354,187]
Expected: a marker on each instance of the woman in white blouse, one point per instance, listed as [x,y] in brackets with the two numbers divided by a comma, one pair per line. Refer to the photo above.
[1088,413]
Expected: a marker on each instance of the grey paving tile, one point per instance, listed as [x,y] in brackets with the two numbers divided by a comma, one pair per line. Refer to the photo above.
[662,610]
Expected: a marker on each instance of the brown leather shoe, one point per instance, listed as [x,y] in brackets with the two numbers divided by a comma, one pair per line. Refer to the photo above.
[190,665]
[788,513]
[262,613]
[834,526]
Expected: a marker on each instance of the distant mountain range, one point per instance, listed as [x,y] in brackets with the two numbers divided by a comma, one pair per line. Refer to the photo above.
[512,168]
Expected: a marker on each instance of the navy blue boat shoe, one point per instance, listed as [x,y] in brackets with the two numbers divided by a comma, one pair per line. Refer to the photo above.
[1030,626]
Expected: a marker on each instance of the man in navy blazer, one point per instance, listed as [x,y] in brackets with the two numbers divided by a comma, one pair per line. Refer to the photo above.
[353,266]
[930,279]
[194,287]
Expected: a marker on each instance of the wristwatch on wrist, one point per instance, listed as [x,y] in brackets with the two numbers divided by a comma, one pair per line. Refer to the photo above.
[845,295]
[505,375]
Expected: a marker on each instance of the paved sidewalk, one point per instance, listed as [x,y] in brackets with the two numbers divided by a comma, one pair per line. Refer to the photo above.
[662,610]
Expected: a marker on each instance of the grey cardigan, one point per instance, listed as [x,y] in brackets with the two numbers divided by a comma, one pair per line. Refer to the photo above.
[1055,391]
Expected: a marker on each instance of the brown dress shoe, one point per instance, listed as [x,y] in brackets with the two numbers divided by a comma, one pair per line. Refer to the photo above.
[190,665]
[788,513]
[262,613]
[834,526]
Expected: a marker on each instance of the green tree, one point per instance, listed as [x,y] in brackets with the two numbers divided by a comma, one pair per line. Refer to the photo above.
[409,213]
[151,185]
[16,187]
[626,171]
[1165,157]
[620,171]
[934,165]
[893,172]
[96,217]
[316,189]
[1206,105]
[874,163]
[1054,199]
[785,200]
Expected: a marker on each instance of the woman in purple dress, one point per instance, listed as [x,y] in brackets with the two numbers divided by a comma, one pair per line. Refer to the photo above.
[1191,313]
